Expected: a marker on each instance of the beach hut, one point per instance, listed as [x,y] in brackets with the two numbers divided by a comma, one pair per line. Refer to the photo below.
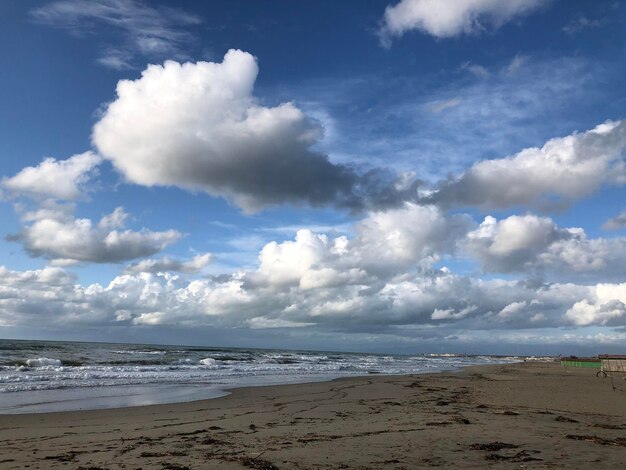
[613,363]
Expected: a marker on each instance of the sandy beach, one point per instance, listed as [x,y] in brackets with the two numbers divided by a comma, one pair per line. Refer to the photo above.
[527,415]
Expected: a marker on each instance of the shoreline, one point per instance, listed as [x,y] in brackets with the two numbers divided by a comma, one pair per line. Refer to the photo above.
[133,395]
[545,414]
[218,392]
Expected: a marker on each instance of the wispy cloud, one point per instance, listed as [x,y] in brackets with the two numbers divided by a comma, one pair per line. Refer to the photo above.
[488,111]
[581,23]
[475,69]
[145,30]
[439,106]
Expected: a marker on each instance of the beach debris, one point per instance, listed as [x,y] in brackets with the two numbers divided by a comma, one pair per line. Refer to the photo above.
[257,463]
[608,426]
[493,446]
[415,384]
[66,457]
[174,466]
[563,419]
[521,456]
[618,441]
[213,441]
[191,433]
[391,403]
[172,453]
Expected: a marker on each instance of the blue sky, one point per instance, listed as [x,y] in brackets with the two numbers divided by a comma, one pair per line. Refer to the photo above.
[414,175]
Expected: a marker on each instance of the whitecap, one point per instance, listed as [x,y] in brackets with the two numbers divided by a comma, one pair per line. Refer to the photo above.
[42,362]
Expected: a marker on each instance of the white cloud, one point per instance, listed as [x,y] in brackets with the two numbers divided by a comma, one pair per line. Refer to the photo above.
[58,236]
[386,243]
[511,244]
[444,19]
[537,245]
[413,235]
[60,179]
[512,309]
[148,31]
[563,170]
[198,126]
[165,264]
[605,305]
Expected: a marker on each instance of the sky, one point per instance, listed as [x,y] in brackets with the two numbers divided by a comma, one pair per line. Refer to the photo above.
[386,175]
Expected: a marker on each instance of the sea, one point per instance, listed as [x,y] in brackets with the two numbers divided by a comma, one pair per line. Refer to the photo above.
[46,376]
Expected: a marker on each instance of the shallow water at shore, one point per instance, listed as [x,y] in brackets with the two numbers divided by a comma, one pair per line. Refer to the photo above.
[39,376]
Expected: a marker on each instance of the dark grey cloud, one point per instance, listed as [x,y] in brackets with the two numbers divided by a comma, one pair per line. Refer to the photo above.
[616,223]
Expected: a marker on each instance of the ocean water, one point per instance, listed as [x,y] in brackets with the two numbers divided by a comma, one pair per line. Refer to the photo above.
[42,376]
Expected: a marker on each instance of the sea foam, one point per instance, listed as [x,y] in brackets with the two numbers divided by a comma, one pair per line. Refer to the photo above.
[42,362]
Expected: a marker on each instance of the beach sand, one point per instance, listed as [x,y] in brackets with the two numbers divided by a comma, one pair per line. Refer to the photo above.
[528,415]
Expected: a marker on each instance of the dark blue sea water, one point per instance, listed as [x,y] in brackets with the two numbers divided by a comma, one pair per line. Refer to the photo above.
[38,376]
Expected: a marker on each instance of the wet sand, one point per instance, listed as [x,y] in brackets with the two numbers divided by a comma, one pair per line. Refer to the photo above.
[530,415]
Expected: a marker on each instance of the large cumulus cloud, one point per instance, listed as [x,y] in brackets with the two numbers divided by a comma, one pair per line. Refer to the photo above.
[198,126]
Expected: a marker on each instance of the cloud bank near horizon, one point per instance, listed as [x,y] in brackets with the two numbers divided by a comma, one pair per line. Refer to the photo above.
[382,280]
